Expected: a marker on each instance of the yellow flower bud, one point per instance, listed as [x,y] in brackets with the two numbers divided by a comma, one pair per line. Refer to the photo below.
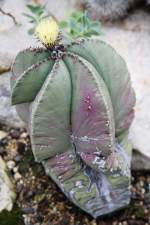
[47,31]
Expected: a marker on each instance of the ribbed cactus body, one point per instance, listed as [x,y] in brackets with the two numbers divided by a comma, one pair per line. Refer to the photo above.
[79,109]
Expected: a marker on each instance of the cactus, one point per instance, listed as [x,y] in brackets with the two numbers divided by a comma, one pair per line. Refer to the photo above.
[77,100]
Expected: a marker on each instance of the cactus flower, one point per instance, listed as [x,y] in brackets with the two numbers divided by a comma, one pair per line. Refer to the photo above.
[47,31]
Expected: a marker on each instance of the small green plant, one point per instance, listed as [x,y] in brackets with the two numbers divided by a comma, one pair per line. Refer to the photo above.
[14,217]
[37,12]
[79,25]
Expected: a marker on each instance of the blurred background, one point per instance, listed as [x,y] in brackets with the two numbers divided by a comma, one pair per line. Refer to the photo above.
[27,196]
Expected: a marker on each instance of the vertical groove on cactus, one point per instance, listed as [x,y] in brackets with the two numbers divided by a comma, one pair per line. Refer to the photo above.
[91,108]
[71,99]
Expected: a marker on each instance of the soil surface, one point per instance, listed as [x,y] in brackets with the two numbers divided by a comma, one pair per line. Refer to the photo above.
[40,202]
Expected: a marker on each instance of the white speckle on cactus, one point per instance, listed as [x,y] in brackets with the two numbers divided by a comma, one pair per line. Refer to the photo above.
[100,162]
[107,123]
[79,184]
[84,138]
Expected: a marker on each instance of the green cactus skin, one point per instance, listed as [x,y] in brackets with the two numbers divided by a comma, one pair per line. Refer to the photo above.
[78,110]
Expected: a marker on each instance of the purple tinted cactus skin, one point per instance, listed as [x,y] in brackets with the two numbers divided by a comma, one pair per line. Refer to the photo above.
[90,88]
[78,110]
[116,77]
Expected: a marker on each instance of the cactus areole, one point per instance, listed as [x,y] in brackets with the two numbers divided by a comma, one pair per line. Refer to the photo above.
[77,101]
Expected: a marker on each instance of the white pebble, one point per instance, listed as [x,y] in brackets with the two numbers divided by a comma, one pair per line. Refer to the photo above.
[141,183]
[143,191]
[10,164]
[17,176]
[21,181]
[124,223]
[24,135]
[15,169]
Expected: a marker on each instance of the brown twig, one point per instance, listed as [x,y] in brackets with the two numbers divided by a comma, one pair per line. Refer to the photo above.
[10,15]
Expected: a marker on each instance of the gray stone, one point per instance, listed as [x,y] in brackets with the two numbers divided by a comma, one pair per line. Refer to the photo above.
[5,63]
[7,194]
[140,161]
[61,9]
[3,134]
[8,113]
[110,10]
